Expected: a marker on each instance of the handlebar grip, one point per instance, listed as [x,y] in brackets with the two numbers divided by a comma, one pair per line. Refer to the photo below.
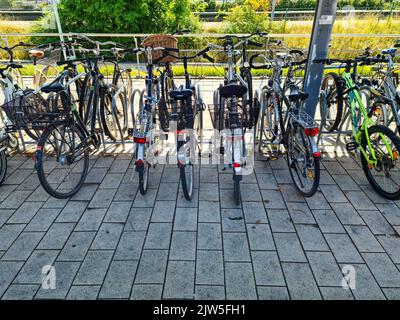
[255,44]
[299,63]
[206,56]
[171,49]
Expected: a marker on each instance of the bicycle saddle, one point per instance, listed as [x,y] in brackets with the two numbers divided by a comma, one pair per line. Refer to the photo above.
[298,95]
[391,51]
[231,90]
[36,53]
[181,94]
[55,86]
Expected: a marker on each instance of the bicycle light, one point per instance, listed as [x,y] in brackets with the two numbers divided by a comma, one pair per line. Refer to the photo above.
[311,132]
[139,140]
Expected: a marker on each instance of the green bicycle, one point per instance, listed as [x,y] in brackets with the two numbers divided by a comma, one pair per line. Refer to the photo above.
[378,145]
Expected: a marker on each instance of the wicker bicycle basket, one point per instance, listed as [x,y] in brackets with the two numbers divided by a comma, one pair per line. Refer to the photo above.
[161,40]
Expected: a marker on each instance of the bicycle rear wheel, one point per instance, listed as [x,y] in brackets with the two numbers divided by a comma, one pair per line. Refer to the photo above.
[144,178]
[304,167]
[62,159]
[334,101]
[384,175]
[3,165]
[236,189]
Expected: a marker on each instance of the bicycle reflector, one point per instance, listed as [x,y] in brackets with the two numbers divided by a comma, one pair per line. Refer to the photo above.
[311,132]
[139,140]
[236,165]
[139,163]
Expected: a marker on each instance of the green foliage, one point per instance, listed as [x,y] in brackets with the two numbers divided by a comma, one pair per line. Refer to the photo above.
[245,19]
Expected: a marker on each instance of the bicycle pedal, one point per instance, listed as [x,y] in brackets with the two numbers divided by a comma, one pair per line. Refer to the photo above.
[351,146]
[222,150]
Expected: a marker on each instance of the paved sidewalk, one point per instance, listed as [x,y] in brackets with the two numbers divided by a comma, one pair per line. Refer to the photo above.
[111,242]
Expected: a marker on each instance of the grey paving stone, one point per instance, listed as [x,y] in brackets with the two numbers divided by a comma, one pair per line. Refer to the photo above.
[94,268]
[23,246]
[209,293]
[347,214]
[119,166]
[118,212]
[5,214]
[289,247]
[334,168]
[209,236]
[366,286]
[209,267]
[20,292]
[138,219]
[260,237]
[152,267]
[108,236]
[236,247]
[96,175]
[31,272]
[300,281]
[273,199]
[158,236]
[391,212]
[119,280]
[311,238]
[254,212]
[147,292]
[209,192]
[377,223]
[227,199]
[130,245]
[392,293]
[182,202]
[280,221]
[126,191]
[65,274]
[290,193]
[240,284]
[359,177]
[391,244]
[343,248]
[267,181]
[327,221]
[250,193]
[167,191]
[72,212]
[179,282]
[272,293]
[262,167]
[267,268]
[145,201]
[170,174]
[185,219]
[8,234]
[300,213]
[183,246]
[83,293]
[359,200]
[5,191]
[25,212]
[163,211]
[18,176]
[325,178]
[111,181]
[56,236]
[209,211]
[15,199]
[283,176]
[374,196]
[345,182]
[278,163]
[208,175]
[325,269]
[318,201]
[333,193]
[42,220]
[233,220]
[334,293]
[383,269]
[225,181]
[76,247]
[363,239]
[103,162]
[91,219]
[102,198]
[8,271]
[53,203]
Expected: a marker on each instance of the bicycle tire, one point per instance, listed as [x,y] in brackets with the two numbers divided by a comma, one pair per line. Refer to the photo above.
[187,184]
[3,166]
[339,100]
[236,190]
[144,179]
[41,171]
[250,101]
[396,142]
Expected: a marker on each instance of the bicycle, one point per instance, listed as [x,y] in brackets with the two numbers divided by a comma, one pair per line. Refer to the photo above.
[187,116]
[378,145]
[288,124]
[239,114]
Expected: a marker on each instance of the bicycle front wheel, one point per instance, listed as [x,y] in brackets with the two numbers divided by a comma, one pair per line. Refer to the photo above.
[304,167]
[382,170]
[62,160]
